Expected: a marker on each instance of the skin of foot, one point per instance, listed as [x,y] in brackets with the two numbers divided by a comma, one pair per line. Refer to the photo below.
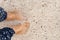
[21,28]
[14,15]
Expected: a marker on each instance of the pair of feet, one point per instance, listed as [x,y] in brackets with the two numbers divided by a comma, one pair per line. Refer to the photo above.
[20,28]
[16,15]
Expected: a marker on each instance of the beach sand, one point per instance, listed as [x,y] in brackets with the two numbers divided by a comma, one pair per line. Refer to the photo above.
[43,15]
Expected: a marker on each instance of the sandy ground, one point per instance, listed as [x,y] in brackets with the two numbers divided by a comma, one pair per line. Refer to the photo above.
[43,15]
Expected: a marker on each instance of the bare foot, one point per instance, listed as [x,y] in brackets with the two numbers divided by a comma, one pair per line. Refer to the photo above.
[21,28]
[14,15]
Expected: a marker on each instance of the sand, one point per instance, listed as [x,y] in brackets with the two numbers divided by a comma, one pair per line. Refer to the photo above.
[43,15]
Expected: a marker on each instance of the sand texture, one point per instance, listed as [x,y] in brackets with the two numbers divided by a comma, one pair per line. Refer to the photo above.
[43,15]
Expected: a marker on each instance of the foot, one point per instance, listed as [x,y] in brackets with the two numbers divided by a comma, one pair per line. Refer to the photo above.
[14,15]
[21,28]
